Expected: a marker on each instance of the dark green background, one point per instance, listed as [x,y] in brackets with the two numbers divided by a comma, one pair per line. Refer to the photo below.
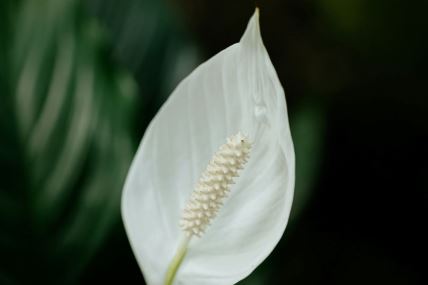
[80,80]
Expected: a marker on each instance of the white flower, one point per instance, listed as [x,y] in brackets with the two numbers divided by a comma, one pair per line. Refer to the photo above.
[235,91]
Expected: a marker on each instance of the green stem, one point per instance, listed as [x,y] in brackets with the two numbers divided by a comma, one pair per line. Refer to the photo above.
[176,261]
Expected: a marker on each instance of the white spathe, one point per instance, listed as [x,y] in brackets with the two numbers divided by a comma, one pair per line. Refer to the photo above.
[236,90]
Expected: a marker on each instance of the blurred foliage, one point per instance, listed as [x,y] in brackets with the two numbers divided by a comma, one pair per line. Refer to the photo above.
[147,38]
[66,142]
[308,124]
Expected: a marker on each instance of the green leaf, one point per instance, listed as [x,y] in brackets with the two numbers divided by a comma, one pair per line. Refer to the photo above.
[148,38]
[308,130]
[66,142]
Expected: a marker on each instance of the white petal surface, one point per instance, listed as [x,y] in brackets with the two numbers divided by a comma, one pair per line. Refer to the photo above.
[236,90]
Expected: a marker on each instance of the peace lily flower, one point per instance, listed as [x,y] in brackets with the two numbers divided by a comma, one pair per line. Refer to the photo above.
[210,189]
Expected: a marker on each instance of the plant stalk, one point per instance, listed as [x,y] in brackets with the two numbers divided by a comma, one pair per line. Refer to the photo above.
[176,261]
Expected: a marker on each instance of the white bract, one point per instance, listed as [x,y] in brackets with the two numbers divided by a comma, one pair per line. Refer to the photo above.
[235,91]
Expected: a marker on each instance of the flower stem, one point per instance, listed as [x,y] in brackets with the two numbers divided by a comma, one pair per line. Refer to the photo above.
[176,261]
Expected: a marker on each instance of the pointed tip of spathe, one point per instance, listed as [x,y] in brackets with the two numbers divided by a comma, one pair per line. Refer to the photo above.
[255,20]
[252,33]
[257,12]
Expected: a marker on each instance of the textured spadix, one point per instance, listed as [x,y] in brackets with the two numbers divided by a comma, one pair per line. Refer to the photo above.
[236,90]
[214,185]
